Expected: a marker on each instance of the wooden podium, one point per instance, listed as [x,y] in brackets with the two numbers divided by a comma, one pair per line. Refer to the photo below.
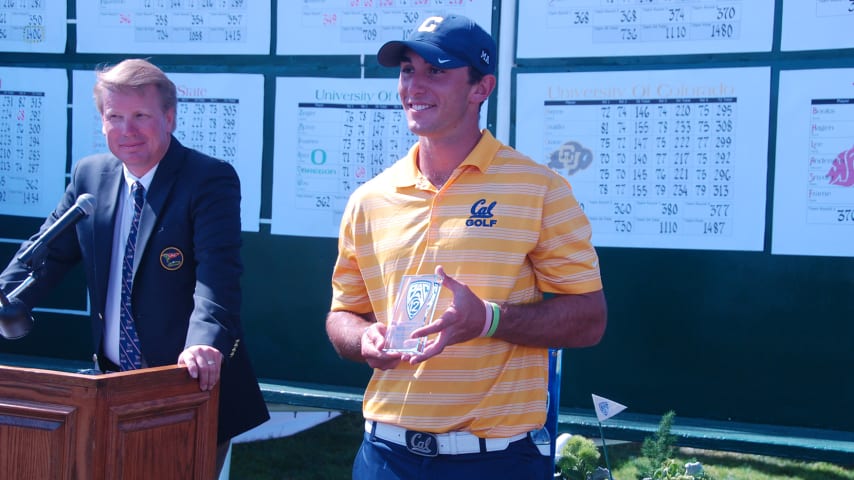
[152,423]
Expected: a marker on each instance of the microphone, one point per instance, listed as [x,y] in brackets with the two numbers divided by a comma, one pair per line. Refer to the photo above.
[15,318]
[84,206]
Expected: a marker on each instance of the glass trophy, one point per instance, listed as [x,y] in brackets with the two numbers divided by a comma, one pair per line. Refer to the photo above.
[416,302]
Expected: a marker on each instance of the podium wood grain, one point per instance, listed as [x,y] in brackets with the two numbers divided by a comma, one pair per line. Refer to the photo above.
[149,423]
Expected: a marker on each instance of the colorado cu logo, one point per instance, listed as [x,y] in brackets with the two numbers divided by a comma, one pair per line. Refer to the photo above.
[171,258]
[416,296]
[571,156]
[481,214]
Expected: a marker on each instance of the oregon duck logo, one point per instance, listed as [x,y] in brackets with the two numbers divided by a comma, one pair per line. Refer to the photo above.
[171,258]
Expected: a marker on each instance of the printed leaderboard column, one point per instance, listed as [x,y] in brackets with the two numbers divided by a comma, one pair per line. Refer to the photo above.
[814,164]
[21,115]
[30,26]
[209,125]
[340,147]
[32,163]
[326,149]
[665,166]
[600,28]
[333,27]
[830,196]
[372,136]
[194,27]
[657,159]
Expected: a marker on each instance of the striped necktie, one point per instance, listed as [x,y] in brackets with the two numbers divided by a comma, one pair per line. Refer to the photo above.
[129,351]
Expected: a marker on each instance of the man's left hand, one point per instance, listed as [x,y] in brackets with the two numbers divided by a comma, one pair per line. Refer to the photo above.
[203,362]
[462,321]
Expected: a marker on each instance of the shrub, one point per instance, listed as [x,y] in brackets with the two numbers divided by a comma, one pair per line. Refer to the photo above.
[657,460]
[656,450]
[578,458]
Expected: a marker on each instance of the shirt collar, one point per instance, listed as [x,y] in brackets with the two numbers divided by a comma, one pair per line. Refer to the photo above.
[406,174]
[145,180]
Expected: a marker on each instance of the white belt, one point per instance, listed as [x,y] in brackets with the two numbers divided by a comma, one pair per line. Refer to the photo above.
[451,443]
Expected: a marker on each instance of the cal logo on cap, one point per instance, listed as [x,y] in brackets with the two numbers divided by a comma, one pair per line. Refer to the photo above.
[430,24]
[171,258]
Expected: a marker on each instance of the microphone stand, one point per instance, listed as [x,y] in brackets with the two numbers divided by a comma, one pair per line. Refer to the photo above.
[22,286]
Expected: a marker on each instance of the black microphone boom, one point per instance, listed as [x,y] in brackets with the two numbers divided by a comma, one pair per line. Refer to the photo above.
[84,206]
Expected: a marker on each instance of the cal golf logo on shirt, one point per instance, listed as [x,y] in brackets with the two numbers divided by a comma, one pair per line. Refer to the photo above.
[171,258]
[481,214]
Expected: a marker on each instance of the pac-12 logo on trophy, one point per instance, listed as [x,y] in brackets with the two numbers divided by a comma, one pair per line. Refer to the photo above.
[416,302]
[418,296]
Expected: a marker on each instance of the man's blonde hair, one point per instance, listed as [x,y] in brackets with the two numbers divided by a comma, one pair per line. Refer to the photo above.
[133,75]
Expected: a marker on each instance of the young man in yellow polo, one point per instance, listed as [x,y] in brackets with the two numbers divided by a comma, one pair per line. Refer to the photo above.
[497,230]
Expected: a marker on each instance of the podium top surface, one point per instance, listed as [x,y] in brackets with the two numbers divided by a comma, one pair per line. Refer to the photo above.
[20,368]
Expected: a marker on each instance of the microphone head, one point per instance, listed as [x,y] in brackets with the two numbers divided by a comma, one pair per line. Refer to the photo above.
[86,203]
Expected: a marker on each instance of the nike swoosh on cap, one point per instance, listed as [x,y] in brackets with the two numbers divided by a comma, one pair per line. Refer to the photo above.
[443,60]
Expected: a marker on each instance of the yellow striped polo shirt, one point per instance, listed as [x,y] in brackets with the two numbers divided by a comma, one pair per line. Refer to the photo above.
[504,225]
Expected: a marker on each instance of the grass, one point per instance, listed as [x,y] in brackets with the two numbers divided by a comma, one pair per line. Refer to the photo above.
[326,452]
[732,466]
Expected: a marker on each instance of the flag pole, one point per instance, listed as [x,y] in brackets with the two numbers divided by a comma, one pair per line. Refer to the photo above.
[605,409]
[605,451]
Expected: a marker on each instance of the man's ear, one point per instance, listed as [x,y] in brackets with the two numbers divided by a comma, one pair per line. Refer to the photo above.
[483,89]
[170,119]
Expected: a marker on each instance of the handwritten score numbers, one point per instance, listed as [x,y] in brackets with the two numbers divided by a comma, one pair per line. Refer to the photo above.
[36,26]
[174,26]
[32,114]
[670,159]
[585,28]
[335,27]
[332,135]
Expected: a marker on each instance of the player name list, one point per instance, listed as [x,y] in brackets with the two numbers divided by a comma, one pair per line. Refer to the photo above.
[662,167]
[830,184]
[341,146]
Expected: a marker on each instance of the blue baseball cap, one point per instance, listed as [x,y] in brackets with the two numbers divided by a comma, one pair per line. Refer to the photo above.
[445,42]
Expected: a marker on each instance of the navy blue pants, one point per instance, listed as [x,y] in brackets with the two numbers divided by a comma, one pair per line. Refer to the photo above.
[381,460]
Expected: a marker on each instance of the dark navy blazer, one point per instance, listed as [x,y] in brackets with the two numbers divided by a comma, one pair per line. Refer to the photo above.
[186,286]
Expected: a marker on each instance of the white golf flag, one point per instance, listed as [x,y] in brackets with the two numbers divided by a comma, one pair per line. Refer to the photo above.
[605,408]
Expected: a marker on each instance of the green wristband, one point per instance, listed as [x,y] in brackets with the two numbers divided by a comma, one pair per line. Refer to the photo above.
[496,315]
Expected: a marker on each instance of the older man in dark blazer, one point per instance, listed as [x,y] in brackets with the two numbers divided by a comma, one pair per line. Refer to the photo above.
[181,274]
